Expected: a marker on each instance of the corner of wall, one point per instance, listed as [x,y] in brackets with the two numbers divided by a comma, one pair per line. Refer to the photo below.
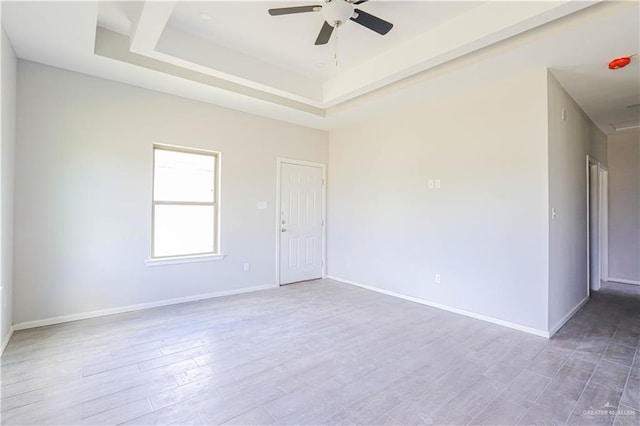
[8,77]
[550,82]
[572,136]
[623,243]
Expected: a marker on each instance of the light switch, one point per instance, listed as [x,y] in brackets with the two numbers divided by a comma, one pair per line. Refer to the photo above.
[262,205]
[430,183]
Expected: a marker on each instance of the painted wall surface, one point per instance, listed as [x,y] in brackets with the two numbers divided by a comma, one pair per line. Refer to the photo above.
[624,206]
[485,231]
[8,125]
[570,140]
[598,145]
[83,192]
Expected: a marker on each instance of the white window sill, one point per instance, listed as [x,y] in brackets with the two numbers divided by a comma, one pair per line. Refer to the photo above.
[183,259]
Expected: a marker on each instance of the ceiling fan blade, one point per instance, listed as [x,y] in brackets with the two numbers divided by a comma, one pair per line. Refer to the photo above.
[360,1]
[291,10]
[372,22]
[325,34]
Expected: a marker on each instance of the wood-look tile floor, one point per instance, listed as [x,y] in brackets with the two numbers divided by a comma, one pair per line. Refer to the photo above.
[325,353]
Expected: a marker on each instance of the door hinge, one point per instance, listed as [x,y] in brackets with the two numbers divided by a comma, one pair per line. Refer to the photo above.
[322,222]
[322,181]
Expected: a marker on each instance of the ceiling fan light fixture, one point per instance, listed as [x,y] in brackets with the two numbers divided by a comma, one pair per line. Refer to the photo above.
[337,12]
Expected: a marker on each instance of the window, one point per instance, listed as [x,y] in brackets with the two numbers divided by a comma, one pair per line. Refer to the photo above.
[185,210]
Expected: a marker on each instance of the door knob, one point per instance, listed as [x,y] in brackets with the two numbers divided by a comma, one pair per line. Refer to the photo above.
[283,230]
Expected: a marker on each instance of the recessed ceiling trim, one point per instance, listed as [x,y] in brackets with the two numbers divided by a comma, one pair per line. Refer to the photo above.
[148,28]
[151,28]
[231,65]
[116,46]
[605,28]
[471,31]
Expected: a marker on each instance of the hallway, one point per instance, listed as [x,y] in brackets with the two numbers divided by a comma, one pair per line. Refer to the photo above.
[603,338]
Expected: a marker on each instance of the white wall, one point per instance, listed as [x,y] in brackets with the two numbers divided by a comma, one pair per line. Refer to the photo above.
[598,145]
[8,125]
[485,231]
[624,206]
[570,140]
[83,192]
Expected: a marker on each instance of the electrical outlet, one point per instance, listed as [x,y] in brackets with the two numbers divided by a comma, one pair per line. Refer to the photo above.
[438,279]
[247,266]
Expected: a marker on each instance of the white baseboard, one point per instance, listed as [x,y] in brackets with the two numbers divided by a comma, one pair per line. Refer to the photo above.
[5,342]
[623,281]
[138,307]
[567,317]
[486,318]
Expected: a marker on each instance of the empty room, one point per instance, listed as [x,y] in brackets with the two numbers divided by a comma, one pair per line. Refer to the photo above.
[332,212]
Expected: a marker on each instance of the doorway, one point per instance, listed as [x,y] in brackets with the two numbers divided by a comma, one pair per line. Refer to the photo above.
[597,224]
[300,214]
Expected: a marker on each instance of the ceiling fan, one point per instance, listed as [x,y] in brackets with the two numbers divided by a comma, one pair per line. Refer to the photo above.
[336,13]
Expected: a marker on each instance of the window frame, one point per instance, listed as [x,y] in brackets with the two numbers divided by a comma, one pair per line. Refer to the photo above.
[187,257]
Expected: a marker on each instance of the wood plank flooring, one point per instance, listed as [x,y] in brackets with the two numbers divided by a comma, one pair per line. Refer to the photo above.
[325,353]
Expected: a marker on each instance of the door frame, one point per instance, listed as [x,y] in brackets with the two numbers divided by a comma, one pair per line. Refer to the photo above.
[603,214]
[603,218]
[279,162]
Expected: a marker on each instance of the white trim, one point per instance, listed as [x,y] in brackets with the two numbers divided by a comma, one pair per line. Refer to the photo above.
[623,281]
[217,156]
[323,166]
[602,225]
[278,219]
[567,317]
[138,307]
[159,261]
[5,342]
[588,177]
[474,315]
[604,221]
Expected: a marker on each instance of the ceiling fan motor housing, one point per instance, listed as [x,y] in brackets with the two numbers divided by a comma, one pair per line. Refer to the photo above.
[337,12]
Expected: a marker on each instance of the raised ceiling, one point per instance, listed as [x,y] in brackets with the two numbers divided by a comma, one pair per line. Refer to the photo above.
[235,54]
[288,41]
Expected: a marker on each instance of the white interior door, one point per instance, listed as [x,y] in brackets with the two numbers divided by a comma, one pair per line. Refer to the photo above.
[300,223]
[594,228]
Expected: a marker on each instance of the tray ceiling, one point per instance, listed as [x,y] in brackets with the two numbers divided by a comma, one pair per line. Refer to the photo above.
[233,53]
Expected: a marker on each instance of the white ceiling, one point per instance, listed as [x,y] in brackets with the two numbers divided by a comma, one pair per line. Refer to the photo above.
[245,59]
[288,41]
[612,98]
